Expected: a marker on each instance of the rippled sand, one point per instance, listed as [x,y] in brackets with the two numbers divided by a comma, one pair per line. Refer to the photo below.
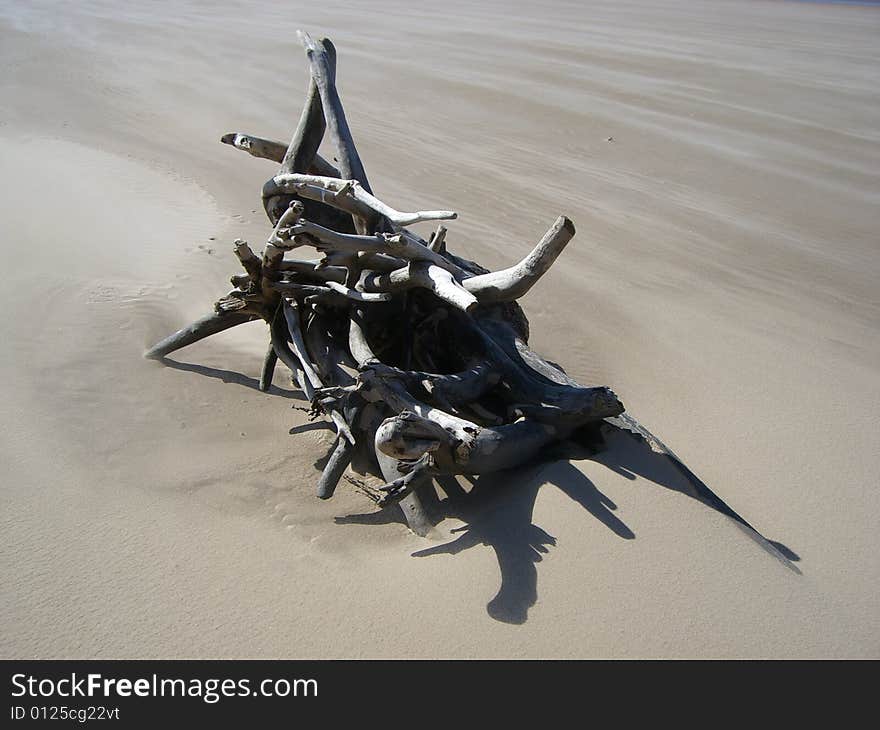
[722,166]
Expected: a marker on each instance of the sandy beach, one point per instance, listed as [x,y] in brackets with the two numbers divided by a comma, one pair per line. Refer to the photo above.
[721,161]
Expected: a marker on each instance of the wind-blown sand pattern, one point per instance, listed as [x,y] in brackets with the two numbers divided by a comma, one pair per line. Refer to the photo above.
[722,165]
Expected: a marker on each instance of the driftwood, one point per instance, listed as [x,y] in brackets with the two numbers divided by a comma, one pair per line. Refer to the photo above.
[418,357]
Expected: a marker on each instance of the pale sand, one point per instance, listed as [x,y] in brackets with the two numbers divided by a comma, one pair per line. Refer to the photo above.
[723,281]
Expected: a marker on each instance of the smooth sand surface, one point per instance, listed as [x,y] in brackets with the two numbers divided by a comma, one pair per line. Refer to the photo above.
[721,161]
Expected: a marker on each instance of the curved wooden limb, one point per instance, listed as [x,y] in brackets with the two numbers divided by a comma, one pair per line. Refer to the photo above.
[350,195]
[269,149]
[295,338]
[339,199]
[297,366]
[381,262]
[460,436]
[331,287]
[342,427]
[303,146]
[425,275]
[514,282]
[543,367]
[322,60]
[249,260]
[265,149]
[541,399]
[312,122]
[330,355]
[398,245]
[340,458]
[268,368]
[294,329]
[280,235]
[198,330]
[294,270]
[357,341]
[444,285]
[278,332]
[437,242]
[273,256]
[410,436]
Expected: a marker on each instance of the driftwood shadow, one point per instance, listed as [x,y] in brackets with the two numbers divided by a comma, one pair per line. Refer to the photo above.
[497,508]
[498,511]
[230,376]
[630,456]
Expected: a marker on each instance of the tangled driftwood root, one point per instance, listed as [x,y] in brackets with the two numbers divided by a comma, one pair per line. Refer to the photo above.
[419,357]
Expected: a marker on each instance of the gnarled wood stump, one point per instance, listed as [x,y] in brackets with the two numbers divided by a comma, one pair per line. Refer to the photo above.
[419,357]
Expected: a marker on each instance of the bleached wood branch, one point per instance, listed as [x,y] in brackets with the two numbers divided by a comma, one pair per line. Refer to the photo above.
[269,149]
[392,393]
[437,243]
[291,316]
[208,325]
[331,287]
[357,341]
[334,192]
[399,245]
[514,282]
[322,60]
[425,275]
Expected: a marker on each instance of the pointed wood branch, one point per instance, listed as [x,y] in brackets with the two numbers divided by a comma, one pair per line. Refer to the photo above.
[357,341]
[512,283]
[322,59]
[427,276]
[331,287]
[399,245]
[438,240]
[279,334]
[310,130]
[205,327]
[459,431]
[269,149]
[291,316]
[268,369]
[351,196]
[340,458]
[249,260]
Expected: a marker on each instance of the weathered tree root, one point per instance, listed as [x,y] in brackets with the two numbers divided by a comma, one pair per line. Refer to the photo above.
[417,356]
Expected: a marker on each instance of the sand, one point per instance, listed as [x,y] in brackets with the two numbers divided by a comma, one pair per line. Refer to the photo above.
[722,165]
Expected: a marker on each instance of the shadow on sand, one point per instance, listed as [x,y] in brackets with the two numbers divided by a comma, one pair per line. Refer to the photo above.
[497,509]
[230,376]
